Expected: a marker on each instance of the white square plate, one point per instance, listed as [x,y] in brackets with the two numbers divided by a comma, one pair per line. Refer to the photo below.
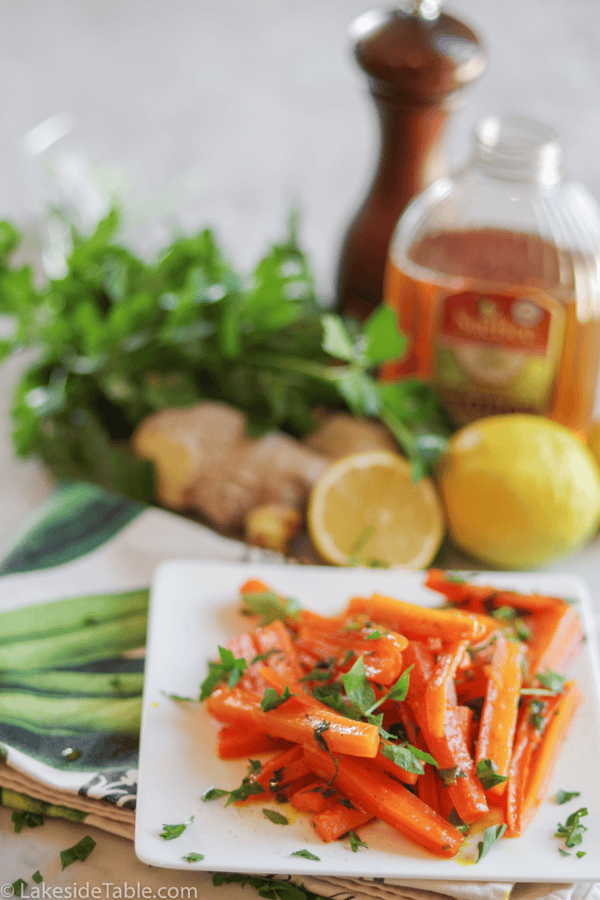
[194,609]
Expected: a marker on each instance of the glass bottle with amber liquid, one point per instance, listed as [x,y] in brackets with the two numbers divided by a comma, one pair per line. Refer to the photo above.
[495,275]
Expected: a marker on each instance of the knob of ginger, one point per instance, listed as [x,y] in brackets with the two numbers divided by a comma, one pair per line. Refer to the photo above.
[205,462]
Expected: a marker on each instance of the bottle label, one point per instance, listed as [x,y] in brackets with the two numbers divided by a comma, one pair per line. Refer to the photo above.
[497,354]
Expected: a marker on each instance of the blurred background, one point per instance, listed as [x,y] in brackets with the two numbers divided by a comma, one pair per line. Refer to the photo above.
[227,112]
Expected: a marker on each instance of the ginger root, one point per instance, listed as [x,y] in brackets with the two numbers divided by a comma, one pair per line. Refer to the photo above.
[273,526]
[205,462]
[340,434]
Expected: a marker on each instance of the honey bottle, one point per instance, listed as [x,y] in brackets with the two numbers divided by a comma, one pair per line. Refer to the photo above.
[418,60]
[495,274]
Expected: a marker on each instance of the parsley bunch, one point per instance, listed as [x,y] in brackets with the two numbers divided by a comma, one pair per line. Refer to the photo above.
[118,338]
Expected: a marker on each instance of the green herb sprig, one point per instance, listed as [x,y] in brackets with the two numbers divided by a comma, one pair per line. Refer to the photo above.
[118,338]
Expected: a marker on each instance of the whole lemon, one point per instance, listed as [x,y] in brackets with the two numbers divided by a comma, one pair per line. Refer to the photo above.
[519,490]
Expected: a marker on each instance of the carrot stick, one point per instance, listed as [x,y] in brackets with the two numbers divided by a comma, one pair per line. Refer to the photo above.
[450,751]
[417,622]
[255,586]
[545,755]
[440,686]
[336,821]
[479,598]
[556,640]
[301,726]
[235,744]
[531,723]
[367,786]
[315,797]
[275,637]
[500,708]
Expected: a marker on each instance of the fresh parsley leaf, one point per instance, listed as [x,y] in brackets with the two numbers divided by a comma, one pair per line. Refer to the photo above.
[228,669]
[79,851]
[20,818]
[37,877]
[214,794]
[275,817]
[358,688]
[490,836]
[565,796]
[355,842]
[18,887]
[407,757]
[270,607]
[271,699]
[193,857]
[306,854]
[170,832]
[318,734]
[551,680]
[455,819]
[572,831]
[331,695]
[450,775]
[488,775]
[245,790]
[580,853]
[178,698]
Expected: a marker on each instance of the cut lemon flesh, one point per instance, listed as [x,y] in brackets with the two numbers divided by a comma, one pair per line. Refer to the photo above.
[367,510]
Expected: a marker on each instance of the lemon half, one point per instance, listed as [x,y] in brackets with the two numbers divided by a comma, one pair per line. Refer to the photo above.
[367,510]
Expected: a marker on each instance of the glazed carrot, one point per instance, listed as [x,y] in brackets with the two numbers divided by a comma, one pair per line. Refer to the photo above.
[333,823]
[417,622]
[315,797]
[500,708]
[381,650]
[546,753]
[376,792]
[556,640]
[255,586]
[450,751]
[464,721]
[243,646]
[235,744]
[481,598]
[275,637]
[458,590]
[298,725]
[532,720]
[440,691]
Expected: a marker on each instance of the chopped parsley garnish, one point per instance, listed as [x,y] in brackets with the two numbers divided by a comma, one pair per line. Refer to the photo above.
[228,669]
[450,775]
[271,699]
[572,830]
[18,887]
[271,607]
[193,857]
[22,818]
[79,851]
[248,787]
[407,757]
[178,698]
[565,796]
[275,817]
[551,680]
[490,836]
[306,854]
[37,877]
[213,794]
[487,772]
[355,842]
[170,832]
[318,733]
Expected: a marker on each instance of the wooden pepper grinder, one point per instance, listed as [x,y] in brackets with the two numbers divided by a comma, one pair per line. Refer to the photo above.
[417,60]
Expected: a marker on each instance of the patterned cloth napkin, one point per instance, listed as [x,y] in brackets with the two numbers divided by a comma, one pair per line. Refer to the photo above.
[73,614]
